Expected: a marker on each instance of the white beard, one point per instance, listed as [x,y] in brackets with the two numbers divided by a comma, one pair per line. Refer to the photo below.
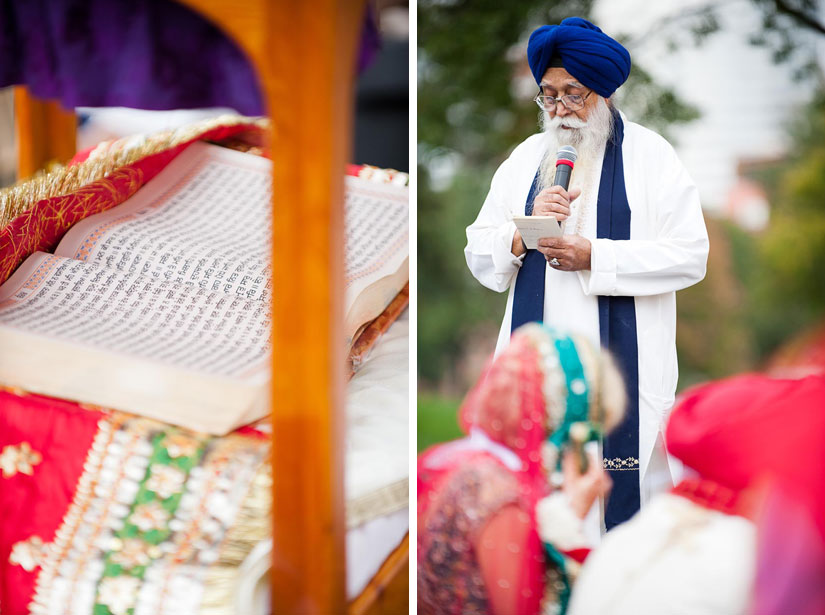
[587,137]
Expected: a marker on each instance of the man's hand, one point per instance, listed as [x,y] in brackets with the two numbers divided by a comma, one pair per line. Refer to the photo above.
[583,489]
[555,201]
[572,253]
[518,245]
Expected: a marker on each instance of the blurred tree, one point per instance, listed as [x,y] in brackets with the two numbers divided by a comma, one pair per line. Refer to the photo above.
[777,275]
[787,290]
[470,116]
[788,286]
[762,289]
[771,288]
[713,337]
[785,29]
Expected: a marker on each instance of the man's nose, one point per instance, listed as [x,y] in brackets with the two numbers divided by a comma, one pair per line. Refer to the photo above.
[561,110]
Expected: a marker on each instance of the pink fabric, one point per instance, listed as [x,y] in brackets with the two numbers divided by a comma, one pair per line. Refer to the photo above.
[456,503]
[461,490]
[753,430]
[508,404]
[764,438]
[790,567]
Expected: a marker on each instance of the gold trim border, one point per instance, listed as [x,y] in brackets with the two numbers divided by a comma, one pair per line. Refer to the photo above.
[108,156]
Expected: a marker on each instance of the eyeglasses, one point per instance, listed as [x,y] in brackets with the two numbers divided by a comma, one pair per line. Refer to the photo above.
[573,102]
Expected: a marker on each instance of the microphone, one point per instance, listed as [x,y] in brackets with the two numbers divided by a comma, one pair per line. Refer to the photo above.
[565,158]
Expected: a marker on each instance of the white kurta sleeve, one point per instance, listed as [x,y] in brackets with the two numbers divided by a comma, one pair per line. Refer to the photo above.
[675,259]
[490,237]
[558,525]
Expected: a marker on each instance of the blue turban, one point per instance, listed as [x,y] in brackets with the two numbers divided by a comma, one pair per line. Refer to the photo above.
[593,58]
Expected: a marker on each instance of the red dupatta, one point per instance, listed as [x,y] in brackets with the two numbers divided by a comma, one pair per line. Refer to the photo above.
[506,415]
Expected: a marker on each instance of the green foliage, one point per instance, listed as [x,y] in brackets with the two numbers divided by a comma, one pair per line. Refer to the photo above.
[713,336]
[652,105]
[436,420]
[784,30]
[451,302]
[781,25]
[762,289]
[789,285]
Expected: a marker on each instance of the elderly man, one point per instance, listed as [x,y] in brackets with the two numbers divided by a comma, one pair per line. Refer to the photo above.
[633,236]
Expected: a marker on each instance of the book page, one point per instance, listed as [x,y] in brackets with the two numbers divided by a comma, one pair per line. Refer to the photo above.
[377,234]
[128,314]
[533,228]
[204,220]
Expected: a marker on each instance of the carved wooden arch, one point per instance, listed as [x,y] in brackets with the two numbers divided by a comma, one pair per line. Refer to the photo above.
[299,50]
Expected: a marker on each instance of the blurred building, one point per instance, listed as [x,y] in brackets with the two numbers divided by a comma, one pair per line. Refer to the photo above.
[746,100]
[382,96]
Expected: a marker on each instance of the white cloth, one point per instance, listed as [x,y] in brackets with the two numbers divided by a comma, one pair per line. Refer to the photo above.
[667,251]
[478,440]
[559,525]
[673,558]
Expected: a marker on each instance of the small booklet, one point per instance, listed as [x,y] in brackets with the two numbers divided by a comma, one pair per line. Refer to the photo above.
[533,228]
[161,306]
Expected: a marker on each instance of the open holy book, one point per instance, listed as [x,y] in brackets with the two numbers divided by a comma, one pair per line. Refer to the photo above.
[160,306]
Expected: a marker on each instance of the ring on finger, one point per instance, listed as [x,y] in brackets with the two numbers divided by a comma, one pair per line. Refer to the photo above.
[554,261]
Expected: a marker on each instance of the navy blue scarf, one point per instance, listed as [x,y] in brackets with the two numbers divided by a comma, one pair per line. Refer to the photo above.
[617,326]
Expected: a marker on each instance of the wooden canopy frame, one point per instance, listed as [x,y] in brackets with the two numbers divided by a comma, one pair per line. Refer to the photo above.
[293,47]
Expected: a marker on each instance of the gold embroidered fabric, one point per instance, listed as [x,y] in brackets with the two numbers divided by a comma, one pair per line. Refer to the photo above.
[20,458]
[618,464]
[108,156]
[182,526]
[28,553]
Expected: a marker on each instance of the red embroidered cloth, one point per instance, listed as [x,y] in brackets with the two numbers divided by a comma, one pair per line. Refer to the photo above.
[97,505]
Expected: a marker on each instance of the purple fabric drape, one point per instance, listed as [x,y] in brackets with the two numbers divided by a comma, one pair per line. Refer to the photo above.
[148,54]
[370,40]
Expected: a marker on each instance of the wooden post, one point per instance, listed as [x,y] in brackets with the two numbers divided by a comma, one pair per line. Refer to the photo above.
[45,133]
[312,63]
[387,593]
[305,54]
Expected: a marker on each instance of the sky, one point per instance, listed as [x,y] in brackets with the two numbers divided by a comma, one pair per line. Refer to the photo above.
[745,99]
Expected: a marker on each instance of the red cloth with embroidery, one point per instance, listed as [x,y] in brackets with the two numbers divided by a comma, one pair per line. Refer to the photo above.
[34,501]
[711,495]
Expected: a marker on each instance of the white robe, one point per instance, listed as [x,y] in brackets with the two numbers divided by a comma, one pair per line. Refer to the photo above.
[667,251]
[673,557]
